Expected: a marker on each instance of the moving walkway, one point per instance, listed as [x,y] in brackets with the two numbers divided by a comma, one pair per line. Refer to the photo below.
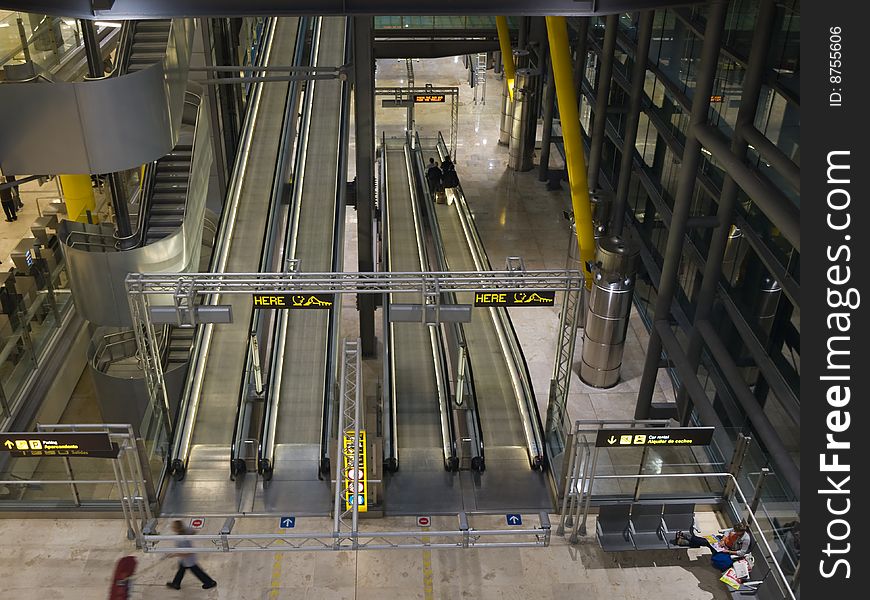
[419,439]
[297,428]
[203,436]
[509,421]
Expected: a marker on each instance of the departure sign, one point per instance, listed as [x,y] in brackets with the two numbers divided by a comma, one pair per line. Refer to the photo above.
[293,301]
[716,98]
[526,298]
[356,482]
[79,445]
[428,98]
[669,436]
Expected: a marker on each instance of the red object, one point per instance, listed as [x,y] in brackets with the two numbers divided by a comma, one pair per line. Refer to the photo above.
[121,579]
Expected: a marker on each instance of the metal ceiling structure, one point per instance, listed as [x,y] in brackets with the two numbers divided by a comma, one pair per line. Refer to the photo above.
[166,9]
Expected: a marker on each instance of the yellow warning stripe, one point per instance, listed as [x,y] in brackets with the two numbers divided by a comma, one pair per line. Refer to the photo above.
[275,587]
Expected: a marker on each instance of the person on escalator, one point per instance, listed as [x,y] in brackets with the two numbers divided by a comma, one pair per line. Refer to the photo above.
[450,178]
[433,177]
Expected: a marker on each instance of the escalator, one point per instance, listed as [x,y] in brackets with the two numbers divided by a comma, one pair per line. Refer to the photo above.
[147,43]
[169,192]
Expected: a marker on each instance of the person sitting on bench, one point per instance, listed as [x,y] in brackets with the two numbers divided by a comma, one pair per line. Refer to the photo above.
[731,545]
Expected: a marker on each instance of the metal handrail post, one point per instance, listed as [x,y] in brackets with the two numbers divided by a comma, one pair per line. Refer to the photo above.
[581,528]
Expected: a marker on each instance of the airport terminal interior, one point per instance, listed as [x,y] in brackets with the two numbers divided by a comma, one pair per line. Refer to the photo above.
[359,305]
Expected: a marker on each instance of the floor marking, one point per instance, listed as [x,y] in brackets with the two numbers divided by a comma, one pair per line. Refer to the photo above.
[276,576]
[428,579]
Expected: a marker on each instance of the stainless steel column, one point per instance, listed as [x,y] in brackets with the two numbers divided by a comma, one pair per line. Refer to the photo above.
[521,61]
[765,313]
[504,134]
[520,151]
[608,312]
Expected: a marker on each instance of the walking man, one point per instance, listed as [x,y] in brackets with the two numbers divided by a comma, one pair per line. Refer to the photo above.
[187,560]
[7,199]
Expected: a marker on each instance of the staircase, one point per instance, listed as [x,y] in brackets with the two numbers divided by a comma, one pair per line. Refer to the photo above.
[169,195]
[149,44]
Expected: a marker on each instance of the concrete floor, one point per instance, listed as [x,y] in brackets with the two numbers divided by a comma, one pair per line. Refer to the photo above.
[516,216]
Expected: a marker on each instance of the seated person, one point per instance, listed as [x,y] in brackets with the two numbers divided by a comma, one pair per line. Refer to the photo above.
[731,545]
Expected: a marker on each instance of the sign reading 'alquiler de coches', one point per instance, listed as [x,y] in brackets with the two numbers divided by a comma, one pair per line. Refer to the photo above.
[525,298]
[309,301]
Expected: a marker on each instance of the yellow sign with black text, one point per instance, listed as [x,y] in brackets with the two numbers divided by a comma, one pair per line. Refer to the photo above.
[43,444]
[355,478]
[525,298]
[309,301]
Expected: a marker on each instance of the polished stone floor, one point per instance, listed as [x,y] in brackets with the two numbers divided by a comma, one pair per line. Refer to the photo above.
[74,559]
[516,216]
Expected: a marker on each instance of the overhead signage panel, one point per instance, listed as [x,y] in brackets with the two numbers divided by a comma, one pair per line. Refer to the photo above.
[301,301]
[424,98]
[70,445]
[669,436]
[524,298]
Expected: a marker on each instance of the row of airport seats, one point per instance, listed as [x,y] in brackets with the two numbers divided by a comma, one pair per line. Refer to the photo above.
[642,526]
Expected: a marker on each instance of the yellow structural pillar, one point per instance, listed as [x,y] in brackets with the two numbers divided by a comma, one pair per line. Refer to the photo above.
[78,195]
[557,32]
[507,55]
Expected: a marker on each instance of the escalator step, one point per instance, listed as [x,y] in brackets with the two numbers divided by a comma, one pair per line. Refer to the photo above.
[167,209]
[153,25]
[173,165]
[142,45]
[161,221]
[169,199]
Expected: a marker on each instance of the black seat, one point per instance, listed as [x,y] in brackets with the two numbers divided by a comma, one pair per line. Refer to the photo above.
[613,527]
[678,517]
[647,527]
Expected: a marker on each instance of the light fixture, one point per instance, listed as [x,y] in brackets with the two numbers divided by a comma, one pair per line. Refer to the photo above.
[115,24]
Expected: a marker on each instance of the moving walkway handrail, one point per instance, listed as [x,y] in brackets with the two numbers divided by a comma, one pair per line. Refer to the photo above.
[478,459]
[271,259]
[202,341]
[448,434]
[520,376]
[334,345]
[388,389]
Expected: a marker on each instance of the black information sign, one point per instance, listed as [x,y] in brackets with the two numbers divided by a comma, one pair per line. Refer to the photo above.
[309,301]
[524,298]
[429,98]
[42,444]
[669,436]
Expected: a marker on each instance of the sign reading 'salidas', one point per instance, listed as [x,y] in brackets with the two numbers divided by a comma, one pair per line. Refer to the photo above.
[524,298]
[303,301]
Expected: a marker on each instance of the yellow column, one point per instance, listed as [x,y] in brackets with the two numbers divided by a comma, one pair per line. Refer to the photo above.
[557,31]
[507,56]
[78,196]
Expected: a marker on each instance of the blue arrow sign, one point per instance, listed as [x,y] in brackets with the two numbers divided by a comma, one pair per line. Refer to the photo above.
[288,522]
[514,519]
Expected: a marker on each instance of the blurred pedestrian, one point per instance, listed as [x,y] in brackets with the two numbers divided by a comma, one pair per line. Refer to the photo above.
[187,560]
